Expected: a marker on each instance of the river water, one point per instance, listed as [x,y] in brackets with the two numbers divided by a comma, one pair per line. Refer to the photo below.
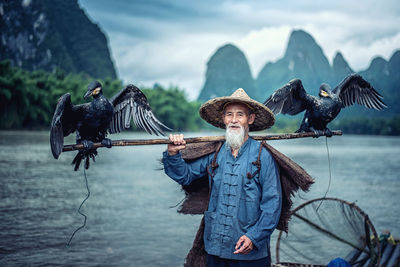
[131,220]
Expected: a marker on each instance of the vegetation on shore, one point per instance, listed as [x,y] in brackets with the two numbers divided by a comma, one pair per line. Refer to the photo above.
[28,100]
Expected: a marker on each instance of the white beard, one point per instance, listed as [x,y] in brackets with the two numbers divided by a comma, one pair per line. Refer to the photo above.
[235,139]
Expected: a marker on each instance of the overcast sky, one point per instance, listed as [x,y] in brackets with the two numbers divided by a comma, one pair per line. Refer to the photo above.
[170,42]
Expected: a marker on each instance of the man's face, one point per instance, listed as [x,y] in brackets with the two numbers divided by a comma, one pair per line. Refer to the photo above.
[236,115]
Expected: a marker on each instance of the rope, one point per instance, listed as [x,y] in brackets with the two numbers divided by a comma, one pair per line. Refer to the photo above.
[174,206]
[79,210]
[330,172]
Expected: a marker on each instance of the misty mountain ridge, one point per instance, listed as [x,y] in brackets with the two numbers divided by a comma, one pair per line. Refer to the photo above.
[303,59]
[50,34]
[227,70]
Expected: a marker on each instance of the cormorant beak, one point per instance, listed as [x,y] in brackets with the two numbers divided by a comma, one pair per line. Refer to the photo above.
[323,93]
[88,93]
[92,92]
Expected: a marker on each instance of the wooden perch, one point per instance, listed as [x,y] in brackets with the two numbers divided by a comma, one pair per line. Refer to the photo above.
[141,142]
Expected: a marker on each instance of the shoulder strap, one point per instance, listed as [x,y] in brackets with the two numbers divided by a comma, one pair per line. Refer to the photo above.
[257,162]
[211,169]
[214,165]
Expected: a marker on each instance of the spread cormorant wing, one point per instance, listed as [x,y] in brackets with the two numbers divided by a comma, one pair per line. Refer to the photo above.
[65,119]
[290,99]
[354,88]
[131,103]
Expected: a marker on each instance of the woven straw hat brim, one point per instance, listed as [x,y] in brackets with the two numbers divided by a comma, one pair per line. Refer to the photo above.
[211,111]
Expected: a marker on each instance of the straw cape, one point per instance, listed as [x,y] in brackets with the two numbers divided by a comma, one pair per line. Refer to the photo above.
[292,177]
[211,111]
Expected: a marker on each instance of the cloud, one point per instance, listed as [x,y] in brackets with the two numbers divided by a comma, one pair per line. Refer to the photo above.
[266,44]
[360,41]
[170,42]
[363,55]
[176,61]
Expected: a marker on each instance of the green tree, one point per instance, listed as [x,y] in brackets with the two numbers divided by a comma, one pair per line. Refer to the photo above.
[173,109]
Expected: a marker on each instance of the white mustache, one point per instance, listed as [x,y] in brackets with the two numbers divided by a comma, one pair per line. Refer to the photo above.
[235,125]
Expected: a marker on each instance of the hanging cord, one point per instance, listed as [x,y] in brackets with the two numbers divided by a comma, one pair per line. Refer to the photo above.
[330,173]
[176,205]
[79,210]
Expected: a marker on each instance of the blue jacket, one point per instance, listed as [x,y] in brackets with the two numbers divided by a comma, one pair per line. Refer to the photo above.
[238,205]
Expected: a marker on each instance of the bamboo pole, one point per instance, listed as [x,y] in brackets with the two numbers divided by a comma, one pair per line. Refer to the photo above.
[141,142]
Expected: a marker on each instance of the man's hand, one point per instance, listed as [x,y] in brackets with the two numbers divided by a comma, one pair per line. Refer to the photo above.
[244,245]
[178,144]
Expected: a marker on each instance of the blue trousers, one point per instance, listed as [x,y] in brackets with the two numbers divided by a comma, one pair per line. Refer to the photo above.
[215,261]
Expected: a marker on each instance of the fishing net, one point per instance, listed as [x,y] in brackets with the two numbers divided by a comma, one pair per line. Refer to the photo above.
[323,229]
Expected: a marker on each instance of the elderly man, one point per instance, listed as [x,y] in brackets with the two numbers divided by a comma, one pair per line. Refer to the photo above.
[245,197]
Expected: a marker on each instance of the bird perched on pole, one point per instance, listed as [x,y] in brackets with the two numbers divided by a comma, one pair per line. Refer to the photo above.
[92,121]
[292,99]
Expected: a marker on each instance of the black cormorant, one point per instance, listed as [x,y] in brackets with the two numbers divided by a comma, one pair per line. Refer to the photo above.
[292,99]
[92,121]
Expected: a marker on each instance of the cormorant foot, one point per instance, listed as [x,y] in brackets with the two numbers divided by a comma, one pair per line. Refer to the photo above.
[87,145]
[316,132]
[328,132]
[106,142]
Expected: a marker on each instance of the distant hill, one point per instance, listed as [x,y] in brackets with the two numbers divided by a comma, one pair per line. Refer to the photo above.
[47,34]
[340,69]
[385,76]
[227,70]
[305,59]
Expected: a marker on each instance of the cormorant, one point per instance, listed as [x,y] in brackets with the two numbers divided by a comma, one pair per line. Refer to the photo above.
[91,121]
[292,99]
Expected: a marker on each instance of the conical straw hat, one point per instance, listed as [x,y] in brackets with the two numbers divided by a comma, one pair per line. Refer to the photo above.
[211,111]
